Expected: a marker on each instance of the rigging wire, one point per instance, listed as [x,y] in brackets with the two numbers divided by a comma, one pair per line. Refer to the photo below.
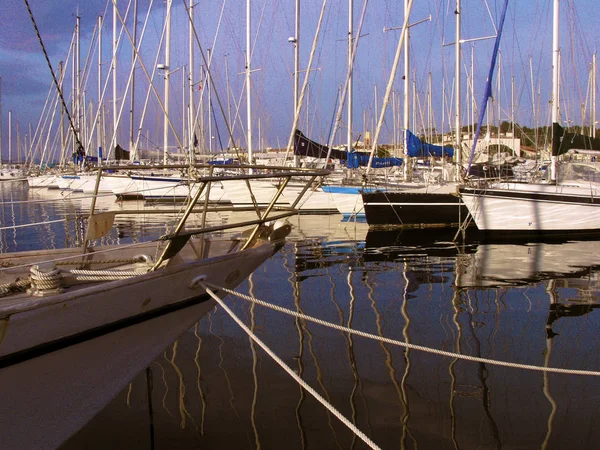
[62,99]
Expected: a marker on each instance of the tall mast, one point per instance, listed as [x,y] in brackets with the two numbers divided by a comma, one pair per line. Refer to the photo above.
[1,123]
[98,132]
[229,141]
[18,141]
[184,95]
[593,97]
[77,80]
[191,133]
[472,105]
[555,63]
[74,92]
[533,105]
[248,98]
[296,42]
[114,78]
[133,58]
[388,90]
[457,118]
[63,142]
[429,107]
[209,98]
[499,94]
[512,113]
[350,64]
[9,136]
[167,68]
[555,80]
[406,97]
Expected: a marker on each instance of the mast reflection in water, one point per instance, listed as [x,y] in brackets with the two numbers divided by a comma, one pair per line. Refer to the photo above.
[528,303]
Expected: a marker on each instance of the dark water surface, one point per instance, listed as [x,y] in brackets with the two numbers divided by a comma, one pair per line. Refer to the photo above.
[527,303]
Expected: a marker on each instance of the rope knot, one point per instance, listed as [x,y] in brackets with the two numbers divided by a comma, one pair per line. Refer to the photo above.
[45,279]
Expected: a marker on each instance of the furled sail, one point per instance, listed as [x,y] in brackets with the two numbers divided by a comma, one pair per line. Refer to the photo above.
[305,147]
[357,159]
[563,141]
[418,148]
[121,153]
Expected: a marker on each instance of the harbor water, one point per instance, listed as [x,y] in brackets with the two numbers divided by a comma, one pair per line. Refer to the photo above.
[463,344]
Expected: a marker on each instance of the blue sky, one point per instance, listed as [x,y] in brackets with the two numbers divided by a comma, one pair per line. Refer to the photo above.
[525,58]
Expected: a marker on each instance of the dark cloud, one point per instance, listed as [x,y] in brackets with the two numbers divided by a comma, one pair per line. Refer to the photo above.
[28,82]
[55,20]
[23,68]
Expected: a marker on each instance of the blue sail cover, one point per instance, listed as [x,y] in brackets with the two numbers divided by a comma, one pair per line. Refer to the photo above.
[416,147]
[355,160]
[218,163]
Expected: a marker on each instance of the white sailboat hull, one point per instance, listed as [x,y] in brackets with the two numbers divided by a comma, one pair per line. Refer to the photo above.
[64,357]
[315,200]
[162,188]
[263,191]
[533,207]
[43,181]
[347,200]
[12,175]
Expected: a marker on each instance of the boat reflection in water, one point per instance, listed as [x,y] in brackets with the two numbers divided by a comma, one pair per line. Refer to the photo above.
[530,303]
[569,269]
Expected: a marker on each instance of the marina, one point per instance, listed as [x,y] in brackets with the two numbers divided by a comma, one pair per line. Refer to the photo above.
[229,225]
[530,304]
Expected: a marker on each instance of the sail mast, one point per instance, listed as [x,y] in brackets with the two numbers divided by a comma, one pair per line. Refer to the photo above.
[345,90]
[296,41]
[167,68]
[593,96]
[390,84]
[248,87]
[0,121]
[555,82]
[305,83]
[100,104]
[77,78]
[457,118]
[133,62]
[191,102]
[350,64]
[406,97]
[114,79]
[555,62]
[9,135]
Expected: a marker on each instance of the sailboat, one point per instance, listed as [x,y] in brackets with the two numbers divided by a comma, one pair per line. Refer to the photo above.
[565,203]
[346,193]
[77,324]
[340,192]
[432,200]
[10,171]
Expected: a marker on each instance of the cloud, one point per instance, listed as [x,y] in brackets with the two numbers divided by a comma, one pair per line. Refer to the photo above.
[55,20]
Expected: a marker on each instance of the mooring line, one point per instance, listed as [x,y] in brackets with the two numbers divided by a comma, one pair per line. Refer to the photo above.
[32,224]
[284,366]
[405,344]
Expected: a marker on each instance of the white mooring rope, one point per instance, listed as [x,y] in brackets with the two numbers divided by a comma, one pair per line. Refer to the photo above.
[299,380]
[25,225]
[405,344]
